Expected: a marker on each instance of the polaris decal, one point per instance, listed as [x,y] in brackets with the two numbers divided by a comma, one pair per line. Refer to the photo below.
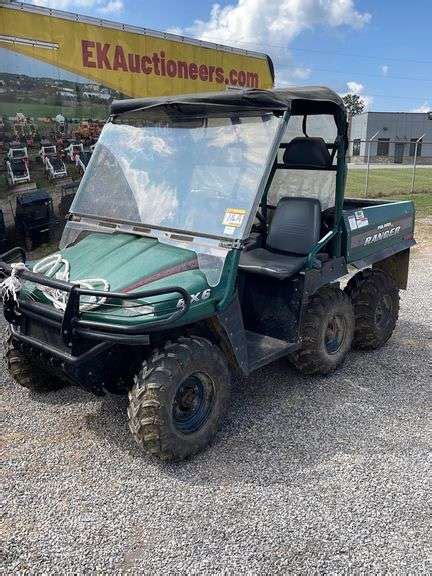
[383,232]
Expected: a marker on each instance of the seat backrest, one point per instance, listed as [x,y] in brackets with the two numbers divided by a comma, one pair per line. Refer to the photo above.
[307,152]
[296,225]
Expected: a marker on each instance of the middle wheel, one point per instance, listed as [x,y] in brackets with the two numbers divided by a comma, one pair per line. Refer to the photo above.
[326,333]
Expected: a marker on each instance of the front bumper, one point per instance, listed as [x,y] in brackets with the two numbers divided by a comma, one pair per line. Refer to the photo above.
[71,338]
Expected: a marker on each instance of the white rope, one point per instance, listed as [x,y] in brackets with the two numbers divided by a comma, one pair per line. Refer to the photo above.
[13,284]
[57,266]
[54,266]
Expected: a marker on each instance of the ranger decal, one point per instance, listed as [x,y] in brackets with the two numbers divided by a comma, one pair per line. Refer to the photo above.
[382,235]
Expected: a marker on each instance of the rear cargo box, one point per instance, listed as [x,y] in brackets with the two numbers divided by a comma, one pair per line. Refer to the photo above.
[374,232]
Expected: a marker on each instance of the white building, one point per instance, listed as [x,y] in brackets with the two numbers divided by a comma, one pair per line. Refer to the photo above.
[395,138]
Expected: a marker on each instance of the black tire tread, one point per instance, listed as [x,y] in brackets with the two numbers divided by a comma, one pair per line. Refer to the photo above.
[306,359]
[23,371]
[363,289]
[147,400]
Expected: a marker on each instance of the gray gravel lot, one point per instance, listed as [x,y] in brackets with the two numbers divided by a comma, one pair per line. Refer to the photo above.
[309,475]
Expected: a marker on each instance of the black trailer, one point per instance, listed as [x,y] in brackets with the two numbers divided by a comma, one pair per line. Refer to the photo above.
[2,230]
[34,217]
[68,192]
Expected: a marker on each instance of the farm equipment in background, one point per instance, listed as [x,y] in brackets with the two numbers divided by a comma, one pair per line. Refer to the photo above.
[17,171]
[24,129]
[2,133]
[73,150]
[54,165]
[82,161]
[68,192]
[2,230]
[34,217]
[88,130]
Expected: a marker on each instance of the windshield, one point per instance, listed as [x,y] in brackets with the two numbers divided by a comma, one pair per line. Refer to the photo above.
[18,153]
[49,150]
[199,175]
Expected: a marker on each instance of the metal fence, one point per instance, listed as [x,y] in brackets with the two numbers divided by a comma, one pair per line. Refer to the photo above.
[384,167]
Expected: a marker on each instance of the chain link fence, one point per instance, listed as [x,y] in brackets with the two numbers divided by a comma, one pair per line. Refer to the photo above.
[382,167]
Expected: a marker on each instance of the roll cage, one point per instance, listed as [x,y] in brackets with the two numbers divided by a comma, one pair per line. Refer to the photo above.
[70,324]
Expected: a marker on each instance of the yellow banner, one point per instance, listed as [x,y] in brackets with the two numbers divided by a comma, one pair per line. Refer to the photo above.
[133,63]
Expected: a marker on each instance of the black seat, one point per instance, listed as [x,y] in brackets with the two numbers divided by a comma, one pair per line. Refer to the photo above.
[294,231]
[306,152]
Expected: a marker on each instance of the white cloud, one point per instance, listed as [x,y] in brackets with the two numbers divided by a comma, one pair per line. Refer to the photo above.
[270,25]
[301,73]
[110,7]
[274,21]
[358,88]
[355,87]
[65,4]
[384,69]
[425,107]
[175,30]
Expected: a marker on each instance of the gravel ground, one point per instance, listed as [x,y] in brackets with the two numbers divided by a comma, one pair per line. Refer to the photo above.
[309,475]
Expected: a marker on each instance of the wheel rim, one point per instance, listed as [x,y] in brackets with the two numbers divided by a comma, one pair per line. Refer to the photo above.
[383,311]
[335,334]
[193,403]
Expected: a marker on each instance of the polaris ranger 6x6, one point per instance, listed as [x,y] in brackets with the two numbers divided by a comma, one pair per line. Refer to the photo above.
[208,235]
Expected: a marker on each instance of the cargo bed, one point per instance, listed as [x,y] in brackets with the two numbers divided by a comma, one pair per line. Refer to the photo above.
[376,229]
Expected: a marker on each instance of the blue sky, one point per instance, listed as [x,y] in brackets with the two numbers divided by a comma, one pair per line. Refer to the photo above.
[378,48]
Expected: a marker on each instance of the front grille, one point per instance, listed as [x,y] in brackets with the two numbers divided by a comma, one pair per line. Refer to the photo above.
[42,333]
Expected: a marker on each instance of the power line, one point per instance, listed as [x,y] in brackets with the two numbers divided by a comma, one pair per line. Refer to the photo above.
[344,72]
[365,56]
[422,99]
[335,53]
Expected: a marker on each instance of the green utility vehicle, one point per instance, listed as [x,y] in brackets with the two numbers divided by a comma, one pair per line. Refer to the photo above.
[209,235]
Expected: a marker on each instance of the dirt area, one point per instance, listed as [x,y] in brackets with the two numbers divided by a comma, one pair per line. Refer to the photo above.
[309,475]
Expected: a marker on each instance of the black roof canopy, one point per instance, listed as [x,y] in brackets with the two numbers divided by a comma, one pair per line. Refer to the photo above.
[299,100]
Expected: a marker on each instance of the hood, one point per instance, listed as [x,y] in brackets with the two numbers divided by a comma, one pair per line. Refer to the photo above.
[129,264]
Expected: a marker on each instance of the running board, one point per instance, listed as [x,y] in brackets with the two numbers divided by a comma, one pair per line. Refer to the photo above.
[262,350]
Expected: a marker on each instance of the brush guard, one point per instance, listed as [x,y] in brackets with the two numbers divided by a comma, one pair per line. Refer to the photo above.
[69,326]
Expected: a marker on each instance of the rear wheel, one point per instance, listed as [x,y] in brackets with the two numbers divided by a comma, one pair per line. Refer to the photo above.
[24,372]
[375,298]
[326,332]
[179,398]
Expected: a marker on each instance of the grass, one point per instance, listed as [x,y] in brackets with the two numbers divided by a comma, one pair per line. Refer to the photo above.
[35,110]
[423,203]
[385,181]
[394,184]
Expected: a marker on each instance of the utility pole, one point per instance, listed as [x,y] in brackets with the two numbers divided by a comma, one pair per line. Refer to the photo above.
[415,162]
[368,161]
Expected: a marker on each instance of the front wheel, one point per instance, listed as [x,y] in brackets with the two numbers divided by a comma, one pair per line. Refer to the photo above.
[326,332]
[179,398]
[24,372]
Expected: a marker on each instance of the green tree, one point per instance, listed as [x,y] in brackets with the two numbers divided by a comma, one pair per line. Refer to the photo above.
[354,104]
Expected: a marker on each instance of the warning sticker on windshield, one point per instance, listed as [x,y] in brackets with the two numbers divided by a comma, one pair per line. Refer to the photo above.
[234,217]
